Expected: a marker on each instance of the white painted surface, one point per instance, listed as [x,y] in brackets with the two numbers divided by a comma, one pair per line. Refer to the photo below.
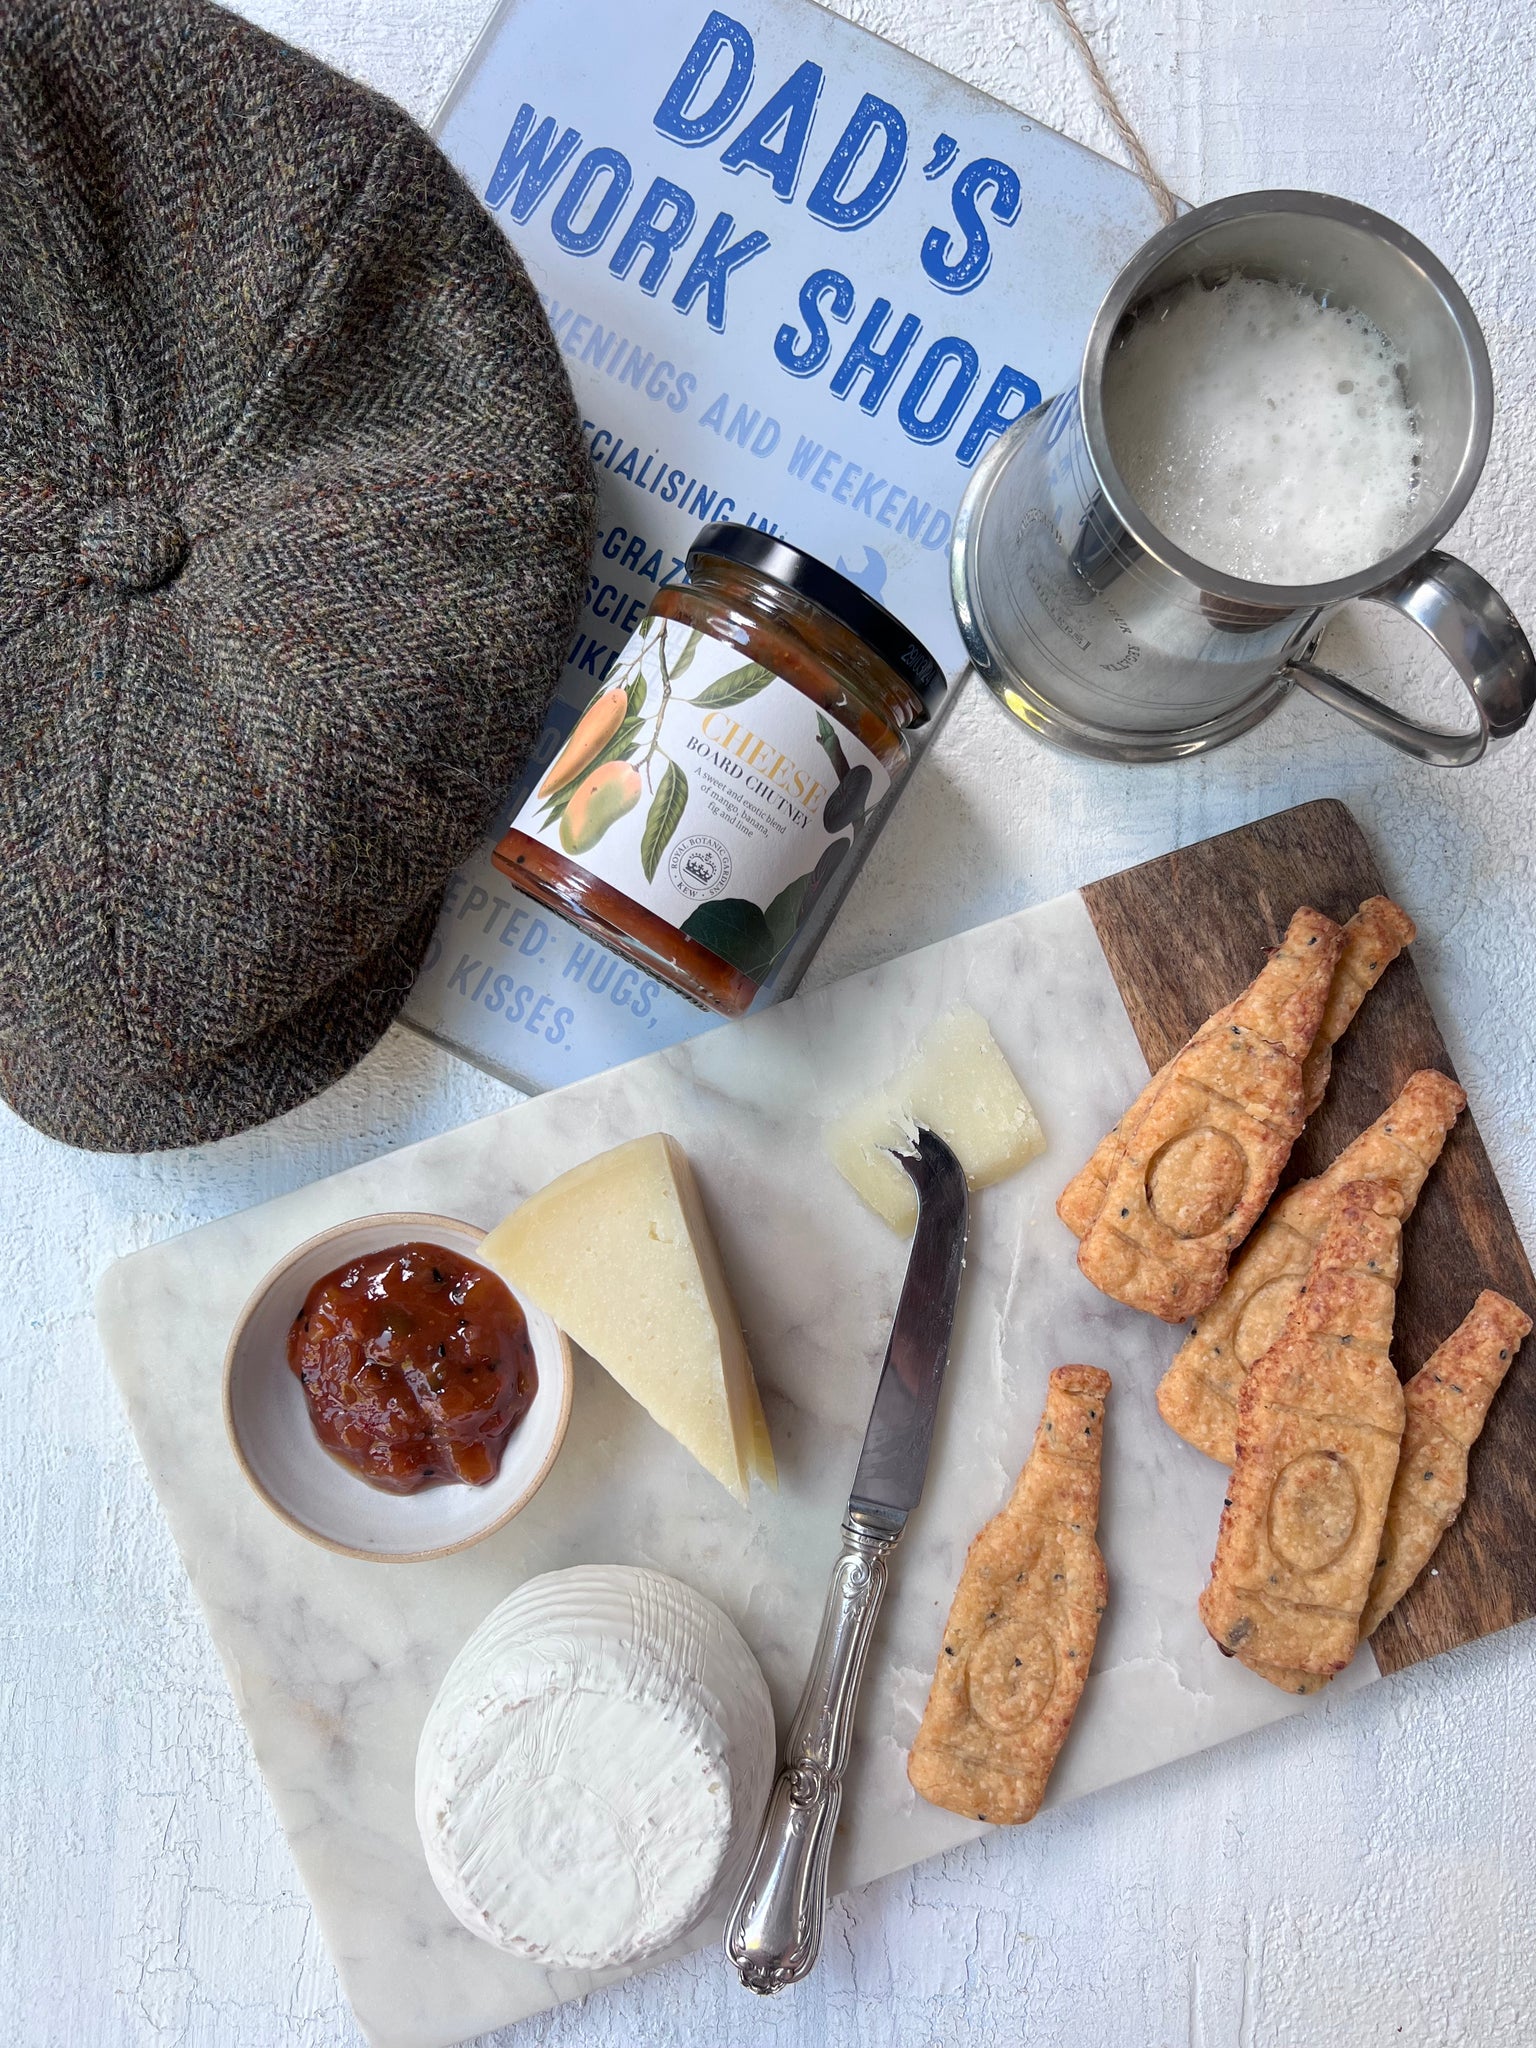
[1365,1876]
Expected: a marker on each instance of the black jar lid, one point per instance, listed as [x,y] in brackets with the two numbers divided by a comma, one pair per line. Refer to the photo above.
[831,592]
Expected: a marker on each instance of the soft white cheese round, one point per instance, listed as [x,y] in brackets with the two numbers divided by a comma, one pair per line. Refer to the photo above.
[594,1767]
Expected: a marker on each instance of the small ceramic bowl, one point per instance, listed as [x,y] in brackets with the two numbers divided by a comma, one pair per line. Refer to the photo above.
[274,1440]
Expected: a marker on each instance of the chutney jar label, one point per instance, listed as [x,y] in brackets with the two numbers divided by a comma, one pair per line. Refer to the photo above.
[706,788]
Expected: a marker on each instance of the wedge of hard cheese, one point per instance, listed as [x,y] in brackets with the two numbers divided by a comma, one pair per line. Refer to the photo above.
[620,1253]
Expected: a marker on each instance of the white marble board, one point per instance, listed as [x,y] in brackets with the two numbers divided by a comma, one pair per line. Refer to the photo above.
[333,1662]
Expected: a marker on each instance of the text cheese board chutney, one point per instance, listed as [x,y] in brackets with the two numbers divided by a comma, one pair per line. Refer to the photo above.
[1082,995]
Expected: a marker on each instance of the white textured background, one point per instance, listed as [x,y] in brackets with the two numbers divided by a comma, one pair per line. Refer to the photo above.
[1364,1876]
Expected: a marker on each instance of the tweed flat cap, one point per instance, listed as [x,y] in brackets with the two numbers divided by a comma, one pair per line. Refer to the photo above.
[294,524]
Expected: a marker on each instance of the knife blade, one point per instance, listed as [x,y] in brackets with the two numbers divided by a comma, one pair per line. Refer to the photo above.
[889,1481]
[773,1934]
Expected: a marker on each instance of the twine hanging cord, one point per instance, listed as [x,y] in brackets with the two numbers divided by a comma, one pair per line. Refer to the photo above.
[1135,148]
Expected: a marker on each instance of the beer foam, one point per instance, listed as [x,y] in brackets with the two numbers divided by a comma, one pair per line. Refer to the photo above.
[1266,434]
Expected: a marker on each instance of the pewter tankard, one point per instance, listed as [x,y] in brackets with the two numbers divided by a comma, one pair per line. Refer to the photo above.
[1103,636]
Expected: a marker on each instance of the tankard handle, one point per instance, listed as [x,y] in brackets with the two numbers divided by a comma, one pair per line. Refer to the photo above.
[1481,639]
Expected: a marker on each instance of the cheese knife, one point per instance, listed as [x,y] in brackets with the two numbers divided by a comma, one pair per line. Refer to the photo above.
[773,1935]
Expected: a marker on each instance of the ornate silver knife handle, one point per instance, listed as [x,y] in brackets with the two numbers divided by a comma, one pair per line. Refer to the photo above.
[773,1934]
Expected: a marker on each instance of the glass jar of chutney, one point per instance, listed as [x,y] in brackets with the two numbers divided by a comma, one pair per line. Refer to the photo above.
[735,761]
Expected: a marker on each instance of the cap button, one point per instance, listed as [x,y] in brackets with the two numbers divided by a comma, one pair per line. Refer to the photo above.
[132,544]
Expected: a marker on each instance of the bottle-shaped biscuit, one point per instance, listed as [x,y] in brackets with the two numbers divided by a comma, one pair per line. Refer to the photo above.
[1446,1403]
[1193,1177]
[1022,1626]
[1372,940]
[1198,1393]
[1320,1420]
[1083,1196]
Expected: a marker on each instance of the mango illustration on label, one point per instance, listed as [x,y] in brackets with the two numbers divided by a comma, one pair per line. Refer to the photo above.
[599,800]
[619,1251]
[589,739]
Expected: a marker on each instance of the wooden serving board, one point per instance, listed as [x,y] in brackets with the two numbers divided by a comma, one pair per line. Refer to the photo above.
[1181,935]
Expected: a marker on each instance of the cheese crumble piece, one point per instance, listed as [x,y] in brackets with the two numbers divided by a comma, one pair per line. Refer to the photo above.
[958,1085]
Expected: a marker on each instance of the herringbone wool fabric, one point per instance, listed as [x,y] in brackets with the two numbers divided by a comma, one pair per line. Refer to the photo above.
[294,524]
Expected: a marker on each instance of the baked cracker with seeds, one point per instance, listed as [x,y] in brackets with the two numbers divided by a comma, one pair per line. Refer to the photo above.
[1319,1423]
[1083,1196]
[1447,1402]
[1302,1682]
[1198,1394]
[1193,1177]
[1372,940]
[1022,1626]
